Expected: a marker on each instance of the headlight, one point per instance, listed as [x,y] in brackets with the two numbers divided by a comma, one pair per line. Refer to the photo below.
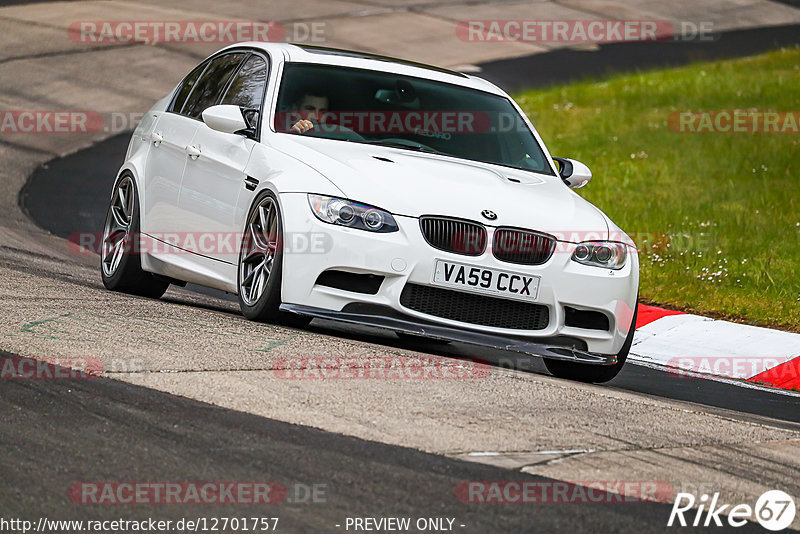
[351,214]
[606,254]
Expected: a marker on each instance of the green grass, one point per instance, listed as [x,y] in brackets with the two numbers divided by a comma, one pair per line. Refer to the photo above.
[730,203]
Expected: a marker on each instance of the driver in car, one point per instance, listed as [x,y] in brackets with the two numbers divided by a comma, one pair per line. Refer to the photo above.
[310,107]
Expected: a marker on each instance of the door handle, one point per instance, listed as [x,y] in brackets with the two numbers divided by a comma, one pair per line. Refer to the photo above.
[157,138]
[193,151]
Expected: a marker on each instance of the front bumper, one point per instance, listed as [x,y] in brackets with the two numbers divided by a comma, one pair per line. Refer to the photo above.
[384,317]
[405,257]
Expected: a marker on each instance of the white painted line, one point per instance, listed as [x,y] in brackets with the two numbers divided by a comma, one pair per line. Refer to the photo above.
[567,451]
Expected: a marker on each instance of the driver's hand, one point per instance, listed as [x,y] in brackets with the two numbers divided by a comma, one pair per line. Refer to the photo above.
[302,126]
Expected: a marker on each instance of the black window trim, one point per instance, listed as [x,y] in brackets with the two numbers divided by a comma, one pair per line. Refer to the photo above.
[207,62]
[171,106]
[234,75]
[247,58]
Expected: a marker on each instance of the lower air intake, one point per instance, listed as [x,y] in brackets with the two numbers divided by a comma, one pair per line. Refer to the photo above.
[475,309]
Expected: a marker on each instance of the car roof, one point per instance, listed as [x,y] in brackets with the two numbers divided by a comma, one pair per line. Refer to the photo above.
[303,53]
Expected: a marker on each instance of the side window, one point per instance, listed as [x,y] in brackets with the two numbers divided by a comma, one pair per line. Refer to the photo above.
[186,87]
[209,87]
[247,89]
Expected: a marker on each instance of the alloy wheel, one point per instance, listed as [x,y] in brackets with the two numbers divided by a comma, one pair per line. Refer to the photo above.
[117,231]
[259,247]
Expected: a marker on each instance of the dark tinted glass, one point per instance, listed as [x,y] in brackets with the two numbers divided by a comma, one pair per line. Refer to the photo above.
[211,84]
[186,87]
[247,89]
[371,106]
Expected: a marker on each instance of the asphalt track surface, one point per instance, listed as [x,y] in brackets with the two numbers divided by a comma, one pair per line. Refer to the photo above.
[114,431]
[56,432]
[82,207]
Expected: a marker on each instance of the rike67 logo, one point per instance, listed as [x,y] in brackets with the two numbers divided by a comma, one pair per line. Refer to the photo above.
[774,510]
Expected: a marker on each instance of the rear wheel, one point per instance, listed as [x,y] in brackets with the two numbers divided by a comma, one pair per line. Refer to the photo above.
[597,374]
[121,265]
[261,265]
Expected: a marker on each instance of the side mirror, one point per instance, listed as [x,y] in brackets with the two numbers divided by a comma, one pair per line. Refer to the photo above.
[574,173]
[225,118]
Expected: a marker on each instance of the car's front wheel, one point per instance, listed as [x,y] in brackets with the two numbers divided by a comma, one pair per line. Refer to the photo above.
[596,374]
[261,265]
[121,266]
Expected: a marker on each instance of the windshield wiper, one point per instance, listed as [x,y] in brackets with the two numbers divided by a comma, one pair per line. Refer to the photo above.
[395,144]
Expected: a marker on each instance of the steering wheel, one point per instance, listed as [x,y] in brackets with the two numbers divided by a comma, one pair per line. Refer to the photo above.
[337,131]
[527,162]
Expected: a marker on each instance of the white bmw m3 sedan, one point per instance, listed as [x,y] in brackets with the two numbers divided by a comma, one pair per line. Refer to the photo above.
[314,182]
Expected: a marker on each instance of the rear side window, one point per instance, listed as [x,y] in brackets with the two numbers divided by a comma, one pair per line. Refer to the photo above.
[212,83]
[247,89]
[186,87]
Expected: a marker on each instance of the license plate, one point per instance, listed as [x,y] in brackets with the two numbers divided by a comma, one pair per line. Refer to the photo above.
[507,284]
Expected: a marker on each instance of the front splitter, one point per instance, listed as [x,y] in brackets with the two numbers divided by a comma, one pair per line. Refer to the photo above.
[384,317]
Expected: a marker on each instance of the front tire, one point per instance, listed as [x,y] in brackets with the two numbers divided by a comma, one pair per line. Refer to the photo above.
[595,374]
[121,266]
[261,265]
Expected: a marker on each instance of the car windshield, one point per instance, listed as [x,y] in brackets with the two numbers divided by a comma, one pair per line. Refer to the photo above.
[366,106]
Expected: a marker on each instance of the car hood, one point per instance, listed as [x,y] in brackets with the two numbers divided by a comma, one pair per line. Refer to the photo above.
[413,184]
